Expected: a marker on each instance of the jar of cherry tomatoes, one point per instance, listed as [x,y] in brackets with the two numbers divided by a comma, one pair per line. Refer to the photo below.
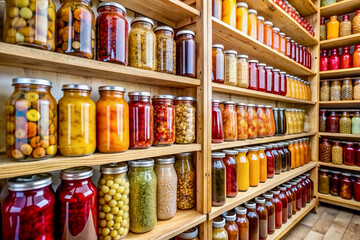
[229,121]
[76,199]
[242,123]
[346,186]
[217,123]
[28,209]
[164,120]
[357,188]
[141,120]
[112,33]
[252,121]
[112,120]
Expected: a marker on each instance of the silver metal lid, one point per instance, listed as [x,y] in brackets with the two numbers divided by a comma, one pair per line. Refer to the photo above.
[165,160]
[275,145]
[30,182]
[336,172]
[184,154]
[111,88]
[76,173]
[253,61]
[218,46]
[275,192]
[260,200]
[268,106]
[262,64]
[282,72]
[185,32]
[251,105]
[260,18]
[288,38]
[282,34]
[282,188]
[240,210]
[241,150]
[215,101]
[163,97]
[268,146]
[260,106]
[164,28]
[136,93]
[228,102]
[253,149]
[142,163]
[114,168]
[218,155]
[142,19]
[242,4]
[76,87]
[250,205]
[293,183]
[280,144]
[185,98]
[230,52]
[346,174]
[218,222]
[269,67]
[268,195]
[268,23]
[253,11]
[240,104]
[34,81]
[113,4]
[230,216]
[261,147]
[229,151]
[243,56]
[276,70]
[189,234]
[287,185]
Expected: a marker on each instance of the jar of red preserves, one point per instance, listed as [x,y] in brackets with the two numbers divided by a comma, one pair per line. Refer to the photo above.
[278,208]
[231,173]
[271,211]
[218,63]
[357,188]
[283,156]
[253,218]
[297,194]
[332,122]
[253,75]
[229,121]
[311,186]
[112,33]
[288,156]
[284,202]
[276,73]
[345,58]
[164,120]
[293,50]
[262,77]
[270,161]
[242,123]
[252,121]
[263,217]
[324,61]
[349,154]
[335,183]
[290,198]
[269,79]
[306,186]
[357,155]
[288,47]
[277,158]
[28,209]
[186,53]
[283,84]
[141,120]
[303,191]
[282,43]
[334,61]
[217,123]
[77,204]
[346,186]
[297,55]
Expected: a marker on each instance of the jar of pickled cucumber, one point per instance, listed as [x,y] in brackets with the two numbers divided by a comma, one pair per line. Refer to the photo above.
[113,201]
[77,131]
[30,23]
[31,120]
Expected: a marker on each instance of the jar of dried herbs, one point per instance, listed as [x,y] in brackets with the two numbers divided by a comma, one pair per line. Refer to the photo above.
[325,91]
[165,50]
[347,89]
[335,92]
[345,123]
[143,184]
[230,68]
[142,44]
[345,26]
[337,153]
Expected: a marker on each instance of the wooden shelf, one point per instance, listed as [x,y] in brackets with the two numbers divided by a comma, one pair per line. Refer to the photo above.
[305,7]
[340,136]
[224,145]
[10,168]
[349,72]
[343,166]
[222,88]
[272,12]
[340,104]
[340,8]
[163,230]
[25,57]
[327,198]
[232,38]
[261,188]
[341,41]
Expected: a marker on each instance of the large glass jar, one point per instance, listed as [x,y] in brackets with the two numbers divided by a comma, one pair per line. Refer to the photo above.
[335,94]
[322,121]
[142,44]
[345,123]
[356,54]
[252,24]
[334,59]
[242,123]
[324,182]
[253,218]
[324,60]
[335,183]
[301,188]
[229,12]
[290,198]
[114,209]
[254,166]
[263,163]
[242,222]
[242,74]
[165,50]
[347,90]
[229,121]
[242,17]
[77,127]
[31,110]
[332,122]
[112,120]
[276,39]
[76,28]
[297,206]
[243,169]
[333,27]
[230,67]
[276,73]
[284,202]
[261,29]
[143,184]
[268,33]
[164,120]
[217,123]
[252,121]
[323,29]
[288,155]
[277,157]
[269,79]
[356,23]
[345,58]
[270,161]
[262,77]
[218,63]
[288,47]
[166,187]
[355,123]
[263,217]
[253,74]
[337,153]
[282,121]
[231,173]
[112,33]
[357,89]
[186,53]
[270,121]
[141,120]
[283,84]
[282,43]
[271,211]
[289,121]
[191,234]
[349,154]
[278,208]
[218,230]
[217,9]
[185,115]
[28,209]
[357,155]
[30,23]
[346,186]
[261,119]
[325,91]
[283,156]
[231,227]
[356,192]
[218,179]
[186,176]
[76,199]
[325,150]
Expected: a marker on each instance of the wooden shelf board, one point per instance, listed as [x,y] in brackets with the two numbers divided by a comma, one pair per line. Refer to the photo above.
[224,145]
[232,38]
[163,230]
[25,57]
[342,104]
[305,7]
[261,188]
[272,12]
[327,198]
[10,168]
[343,166]
[340,135]
[349,72]
[285,228]
[341,41]
[340,8]
[222,88]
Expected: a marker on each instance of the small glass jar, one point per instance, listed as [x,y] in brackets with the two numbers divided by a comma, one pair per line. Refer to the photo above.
[283,84]
[242,68]
[217,9]
[186,53]
[218,179]
[231,227]
[165,50]
[253,218]
[332,122]
[297,196]
[324,60]
[282,121]
[325,91]
[276,73]
[231,173]
[302,189]
[357,155]
[325,150]
[324,3]
[229,12]
[242,122]
[269,38]
[277,158]
[242,17]
[323,29]
[164,120]
[185,115]
[263,163]
[253,75]
[252,121]
[217,123]
[291,198]
[345,123]
[262,77]
[335,183]
[284,201]
[349,154]
[311,187]
[141,120]
[271,211]
[242,222]
[143,183]
[356,54]
[296,52]
[270,161]
[355,123]
[283,156]
[218,230]
[322,121]
[230,67]
[347,90]
[269,80]
[261,29]
[346,186]
[288,155]
[276,39]
[243,169]
[278,208]
[357,89]
[334,61]
[282,43]
[252,23]
[191,234]
[263,217]
[356,192]
[218,63]
[337,153]
[254,166]
[270,121]
[345,58]
[261,121]
[229,121]
[293,50]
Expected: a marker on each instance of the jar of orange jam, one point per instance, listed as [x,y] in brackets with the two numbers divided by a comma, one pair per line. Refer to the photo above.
[252,24]
[261,29]
[297,153]
[242,17]
[282,43]
[302,152]
[292,154]
[276,39]
[268,33]
[293,87]
[229,12]
[243,169]
[254,166]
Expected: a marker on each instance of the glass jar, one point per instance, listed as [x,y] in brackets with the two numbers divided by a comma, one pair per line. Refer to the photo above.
[269,38]
[327,2]
[186,53]
[191,234]
[242,17]
[283,156]
[261,29]
[31,110]
[261,119]
[77,121]
[347,89]
[231,227]
[218,179]
[112,120]
[113,178]
[324,61]
[165,50]
[263,163]
[356,54]
[253,74]
[325,150]
[185,115]
[337,153]
[231,167]
[254,166]
[311,187]
[242,123]
[325,91]
[252,24]
[276,39]
[297,52]
[282,43]
[292,153]
[277,158]
[335,183]
[252,121]
[242,222]
[230,68]
[297,153]
[262,77]
[356,23]
[297,193]
[349,154]
[332,122]
[345,58]
[284,202]
[276,73]
[218,63]
[229,121]
[141,120]
[28,209]
[288,47]
[186,180]
[288,156]
[357,89]
[217,123]
[334,61]
[323,29]
[242,74]
[229,12]
[270,121]
[322,119]
[269,79]
[77,204]
[356,192]
[282,121]
[263,217]
[24,25]
[218,230]
[290,198]
[166,187]
[75,28]
[357,155]
[164,120]
[355,123]
[143,183]
[302,189]
[346,186]
[270,161]
[293,50]
[278,208]
[112,33]
[243,169]
[271,211]
[217,9]
[345,123]
[289,122]
[301,59]
[333,28]
[253,218]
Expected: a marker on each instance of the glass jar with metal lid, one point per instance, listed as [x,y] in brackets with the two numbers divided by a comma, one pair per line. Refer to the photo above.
[77,127]
[230,67]
[165,50]
[185,115]
[191,234]
[218,179]
[218,63]
[254,166]
[186,53]
[242,71]
[261,119]
[164,120]
[243,169]
[252,121]
[345,123]
[142,44]
[346,187]
[347,90]
[217,126]
[31,120]
[253,74]
[229,121]
[242,122]
[231,167]
[77,204]
[262,77]
[28,209]
[112,120]
[324,181]
[218,231]
[143,183]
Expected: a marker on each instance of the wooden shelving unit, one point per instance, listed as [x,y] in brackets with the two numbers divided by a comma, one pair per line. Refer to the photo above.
[340,167]
[340,104]
[349,72]
[340,8]
[305,7]
[327,198]
[340,136]
[341,41]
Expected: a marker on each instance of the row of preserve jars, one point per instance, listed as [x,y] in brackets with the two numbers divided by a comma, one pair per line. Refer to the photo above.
[337,90]
[339,152]
[347,123]
[120,203]
[334,29]
[112,125]
[238,169]
[33,24]
[338,183]
[259,218]
[336,61]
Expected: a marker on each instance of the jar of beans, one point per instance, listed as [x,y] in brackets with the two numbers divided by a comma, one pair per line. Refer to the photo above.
[337,153]
[325,91]
[335,93]
[325,150]
[357,89]
[345,123]
[347,89]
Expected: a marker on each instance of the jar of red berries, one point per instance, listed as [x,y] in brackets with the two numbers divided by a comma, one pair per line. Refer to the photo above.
[164,120]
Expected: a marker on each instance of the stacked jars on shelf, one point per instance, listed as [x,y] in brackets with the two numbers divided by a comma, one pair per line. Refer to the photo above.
[334,121]
[340,152]
[331,59]
[260,217]
[341,89]
[240,168]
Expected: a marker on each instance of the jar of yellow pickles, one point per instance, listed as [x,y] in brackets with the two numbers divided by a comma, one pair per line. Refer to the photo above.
[289,122]
[299,121]
[294,119]
[77,130]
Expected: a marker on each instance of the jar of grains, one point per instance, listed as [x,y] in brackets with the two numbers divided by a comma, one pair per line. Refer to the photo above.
[337,153]
[335,93]
[356,23]
[325,150]
[165,50]
[357,89]
[230,68]
[347,89]
[325,91]
[345,26]
[243,71]
[184,120]
[322,121]
[345,123]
